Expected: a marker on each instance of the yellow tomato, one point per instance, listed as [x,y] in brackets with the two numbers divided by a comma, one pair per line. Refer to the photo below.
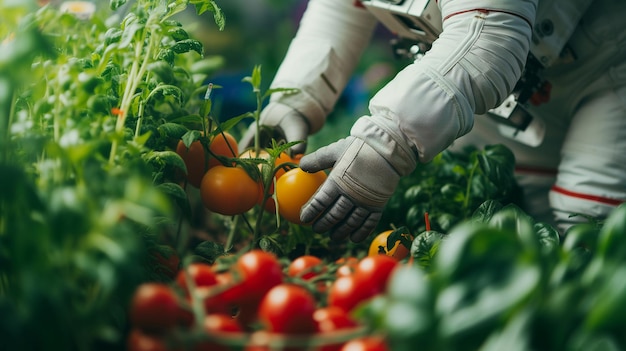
[378,246]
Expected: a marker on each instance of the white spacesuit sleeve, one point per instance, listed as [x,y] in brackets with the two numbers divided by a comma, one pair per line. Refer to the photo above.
[322,56]
[471,67]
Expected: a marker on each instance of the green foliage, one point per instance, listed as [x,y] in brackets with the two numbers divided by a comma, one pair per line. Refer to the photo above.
[86,123]
[500,280]
[450,188]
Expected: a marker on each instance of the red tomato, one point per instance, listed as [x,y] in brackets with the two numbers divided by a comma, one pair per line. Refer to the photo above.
[375,271]
[206,281]
[217,325]
[155,308]
[331,319]
[140,341]
[254,273]
[347,292]
[347,265]
[288,309]
[366,343]
[201,274]
[305,267]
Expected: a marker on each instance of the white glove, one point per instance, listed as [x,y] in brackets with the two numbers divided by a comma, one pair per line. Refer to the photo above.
[367,166]
[279,122]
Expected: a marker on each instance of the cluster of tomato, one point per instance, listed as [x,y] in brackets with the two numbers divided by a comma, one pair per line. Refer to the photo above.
[257,302]
[231,189]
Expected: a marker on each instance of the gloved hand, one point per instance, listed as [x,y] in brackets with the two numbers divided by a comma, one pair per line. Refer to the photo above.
[279,122]
[367,167]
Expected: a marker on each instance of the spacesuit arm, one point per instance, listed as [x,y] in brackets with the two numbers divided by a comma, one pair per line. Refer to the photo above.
[471,68]
[322,56]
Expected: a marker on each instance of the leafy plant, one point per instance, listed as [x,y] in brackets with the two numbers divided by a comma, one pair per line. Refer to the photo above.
[450,188]
[86,117]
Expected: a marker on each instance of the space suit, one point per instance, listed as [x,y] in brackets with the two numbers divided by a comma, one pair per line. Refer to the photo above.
[570,155]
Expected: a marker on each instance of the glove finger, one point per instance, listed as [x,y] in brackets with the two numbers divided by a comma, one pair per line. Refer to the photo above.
[367,228]
[319,202]
[295,130]
[334,215]
[351,224]
[247,140]
[324,157]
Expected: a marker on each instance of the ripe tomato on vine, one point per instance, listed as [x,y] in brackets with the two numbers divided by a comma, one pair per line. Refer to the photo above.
[294,189]
[228,190]
[222,144]
[194,158]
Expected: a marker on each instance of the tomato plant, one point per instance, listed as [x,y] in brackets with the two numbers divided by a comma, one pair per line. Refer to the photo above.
[288,308]
[228,190]
[277,170]
[294,189]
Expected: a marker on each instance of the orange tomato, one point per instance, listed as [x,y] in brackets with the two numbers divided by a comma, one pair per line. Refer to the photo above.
[195,161]
[294,189]
[228,190]
[223,144]
[378,246]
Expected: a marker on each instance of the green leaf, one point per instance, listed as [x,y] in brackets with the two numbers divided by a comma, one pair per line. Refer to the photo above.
[612,235]
[132,30]
[255,78]
[166,89]
[163,70]
[191,136]
[497,163]
[486,210]
[172,130]
[167,55]
[166,158]
[179,195]
[207,65]
[203,6]
[175,7]
[177,33]
[188,45]
[209,250]
[548,236]
[115,4]
[425,246]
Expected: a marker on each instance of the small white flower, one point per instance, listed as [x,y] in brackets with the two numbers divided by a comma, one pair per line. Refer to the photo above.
[81,9]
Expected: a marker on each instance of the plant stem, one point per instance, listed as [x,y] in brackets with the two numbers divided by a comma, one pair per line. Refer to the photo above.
[135,76]
[468,188]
